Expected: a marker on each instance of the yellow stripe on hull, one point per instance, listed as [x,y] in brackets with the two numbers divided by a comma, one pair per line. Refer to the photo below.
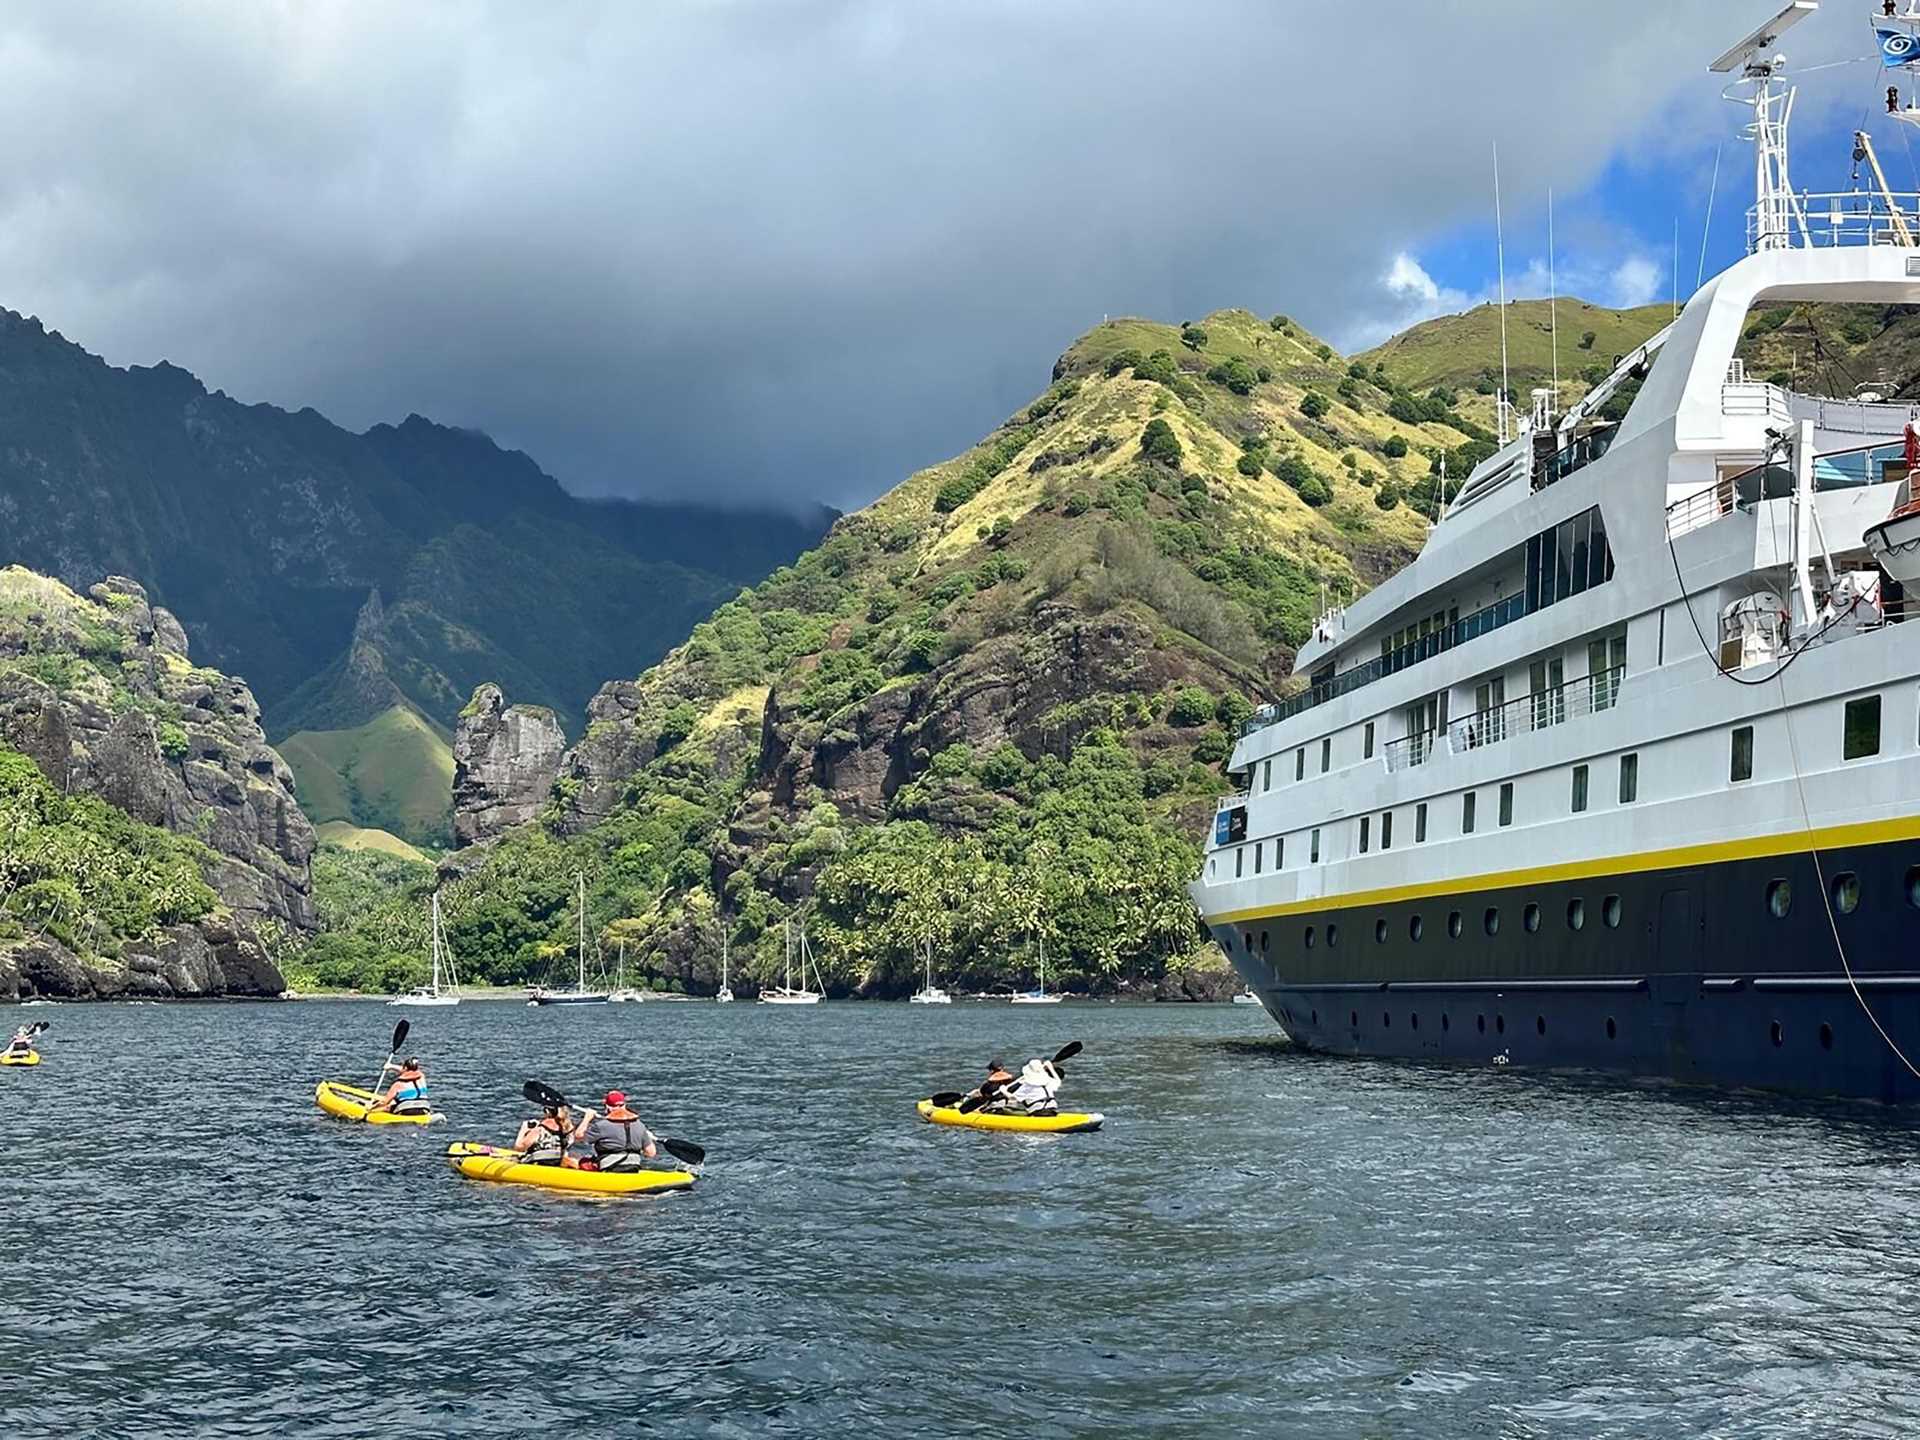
[1065,1123]
[351,1103]
[1798,842]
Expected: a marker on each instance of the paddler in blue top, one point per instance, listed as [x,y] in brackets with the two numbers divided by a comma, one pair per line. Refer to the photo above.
[408,1094]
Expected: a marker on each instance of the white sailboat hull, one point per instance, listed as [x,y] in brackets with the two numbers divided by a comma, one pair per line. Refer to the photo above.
[1036,999]
[789,997]
[930,997]
[424,1000]
[723,997]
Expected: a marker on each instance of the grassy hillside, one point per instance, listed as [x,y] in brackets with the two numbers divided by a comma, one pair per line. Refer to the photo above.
[394,773]
[343,836]
[992,705]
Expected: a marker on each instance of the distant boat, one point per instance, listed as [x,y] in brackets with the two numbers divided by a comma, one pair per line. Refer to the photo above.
[579,995]
[786,994]
[724,995]
[1040,996]
[622,995]
[432,994]
[1246,997]
[930,994]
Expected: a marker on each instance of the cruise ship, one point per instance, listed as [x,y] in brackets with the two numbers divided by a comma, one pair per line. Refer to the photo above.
[1622,773]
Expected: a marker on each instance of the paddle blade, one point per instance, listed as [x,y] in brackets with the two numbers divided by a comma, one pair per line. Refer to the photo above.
[40,1027]
[399,1036]
[682,1150]
[542,1094]
[1067,1052]
[947,1099]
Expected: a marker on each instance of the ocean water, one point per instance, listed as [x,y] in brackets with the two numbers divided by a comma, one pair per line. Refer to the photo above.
[1260,1242]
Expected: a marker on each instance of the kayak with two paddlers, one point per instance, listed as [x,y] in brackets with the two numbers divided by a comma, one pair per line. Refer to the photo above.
[1028,1102]
[623,1158]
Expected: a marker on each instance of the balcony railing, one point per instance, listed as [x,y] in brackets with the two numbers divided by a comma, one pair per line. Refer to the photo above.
[1411,750]
[1844,217]
[1575,456]
[1539,711]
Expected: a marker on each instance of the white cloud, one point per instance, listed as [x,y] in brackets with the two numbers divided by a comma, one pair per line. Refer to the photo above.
[1636,280]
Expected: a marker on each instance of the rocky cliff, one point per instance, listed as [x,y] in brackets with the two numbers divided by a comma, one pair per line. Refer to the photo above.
[505,758]
[100,693]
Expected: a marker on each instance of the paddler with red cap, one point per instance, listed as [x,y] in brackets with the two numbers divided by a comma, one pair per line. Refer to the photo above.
[618,1138]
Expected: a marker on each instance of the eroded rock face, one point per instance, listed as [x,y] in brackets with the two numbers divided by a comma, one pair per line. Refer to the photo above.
[215,957]
[123,715]
[505,759]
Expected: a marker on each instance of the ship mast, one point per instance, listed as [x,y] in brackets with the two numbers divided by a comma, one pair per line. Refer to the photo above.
[1777,214]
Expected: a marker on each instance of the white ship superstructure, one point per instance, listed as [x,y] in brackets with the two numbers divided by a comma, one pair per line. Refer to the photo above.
[1623,771]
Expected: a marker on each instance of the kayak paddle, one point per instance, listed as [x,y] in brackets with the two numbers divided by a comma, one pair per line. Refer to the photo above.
[684,1150]
[947,1099]
[973,1102]
[399,1039]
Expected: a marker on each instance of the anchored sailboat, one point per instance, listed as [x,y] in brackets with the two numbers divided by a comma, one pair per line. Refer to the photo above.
[579,995]
[724,995]
[433,993]
[929,993]
[622,994]
[1040,996]
[786,994]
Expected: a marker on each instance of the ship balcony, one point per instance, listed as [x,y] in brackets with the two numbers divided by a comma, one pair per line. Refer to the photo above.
[1541,710]
[1839,470]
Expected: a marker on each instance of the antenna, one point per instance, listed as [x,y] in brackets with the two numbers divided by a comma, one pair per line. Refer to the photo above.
[1676,266]
[1553,300]
[1500,249]
[1777,211]
[1706,227]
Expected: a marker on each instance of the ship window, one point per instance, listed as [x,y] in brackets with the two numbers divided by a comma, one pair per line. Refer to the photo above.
[1500,1024]
[1300,763]
[1466,813]
[1420,823]
[1353,1018]
[1506,803]
[1266,774]
[1612,1029]
[1576,914]
[1539,1024]
[1415,928]
[1413,1020]
[1741,767]
[1453,924]
[1211,870]
[1481,1021]
[1862,733]
[1779,1035]
[1263,942]
[1314,849]
[1846,892]
[1826,1037]
[1530,917]
[1380,932]
[1563,560]
[1913,886]
[1239,861]
[1629,778]
[1386,1020]
[1326,754]
[1386,830]
[1309,937]
[1610,912]
[1259,855]
[1316,1016]
[1579,788]
[1445,1024]
[1366,829]
[1490,922]
[1779,898]
[1280,853]
[1333,936]
[1369,742]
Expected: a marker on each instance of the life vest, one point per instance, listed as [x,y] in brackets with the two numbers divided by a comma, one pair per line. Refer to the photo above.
[626,1120]
[549,1146]
[1039,1084]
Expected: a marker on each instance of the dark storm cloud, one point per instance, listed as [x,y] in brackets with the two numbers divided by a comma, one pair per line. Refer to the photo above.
[744,248]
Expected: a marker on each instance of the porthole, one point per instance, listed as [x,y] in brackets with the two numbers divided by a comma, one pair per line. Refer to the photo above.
[1453,924]
[1414,928]
[1380,932]
[1226,944]
[1333,936]
[1445,1024]
[1386,1020]
[1490,922]
[1779,1036]
[1500,1024]
[1826,1037]
[1779,898]
[1576,914]
[1846,892]
[1263,942]
[1309,937]
[1481,1021]
[1414,1020]
[1353,1019]
[1913,887]
[1530,917]
[1539,1024]
[1316,1017]
[1610,912]
[1612,1029]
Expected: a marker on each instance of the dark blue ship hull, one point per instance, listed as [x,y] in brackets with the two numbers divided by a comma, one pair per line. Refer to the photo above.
[1726,974]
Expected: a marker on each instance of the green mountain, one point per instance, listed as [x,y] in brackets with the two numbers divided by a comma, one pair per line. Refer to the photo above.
[990,708]
[347,574]
[392,774]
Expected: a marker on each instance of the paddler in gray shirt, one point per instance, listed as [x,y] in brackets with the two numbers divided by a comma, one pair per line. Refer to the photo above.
[619,1140]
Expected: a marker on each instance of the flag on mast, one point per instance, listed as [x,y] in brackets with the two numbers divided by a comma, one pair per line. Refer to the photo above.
[1897,48]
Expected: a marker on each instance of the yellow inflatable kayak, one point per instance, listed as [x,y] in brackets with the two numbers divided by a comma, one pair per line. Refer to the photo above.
[489,1162]
[32,1057]
[1065,1123]
[350,1103]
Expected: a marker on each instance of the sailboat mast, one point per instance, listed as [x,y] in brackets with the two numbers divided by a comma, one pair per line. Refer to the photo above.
[582,985]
